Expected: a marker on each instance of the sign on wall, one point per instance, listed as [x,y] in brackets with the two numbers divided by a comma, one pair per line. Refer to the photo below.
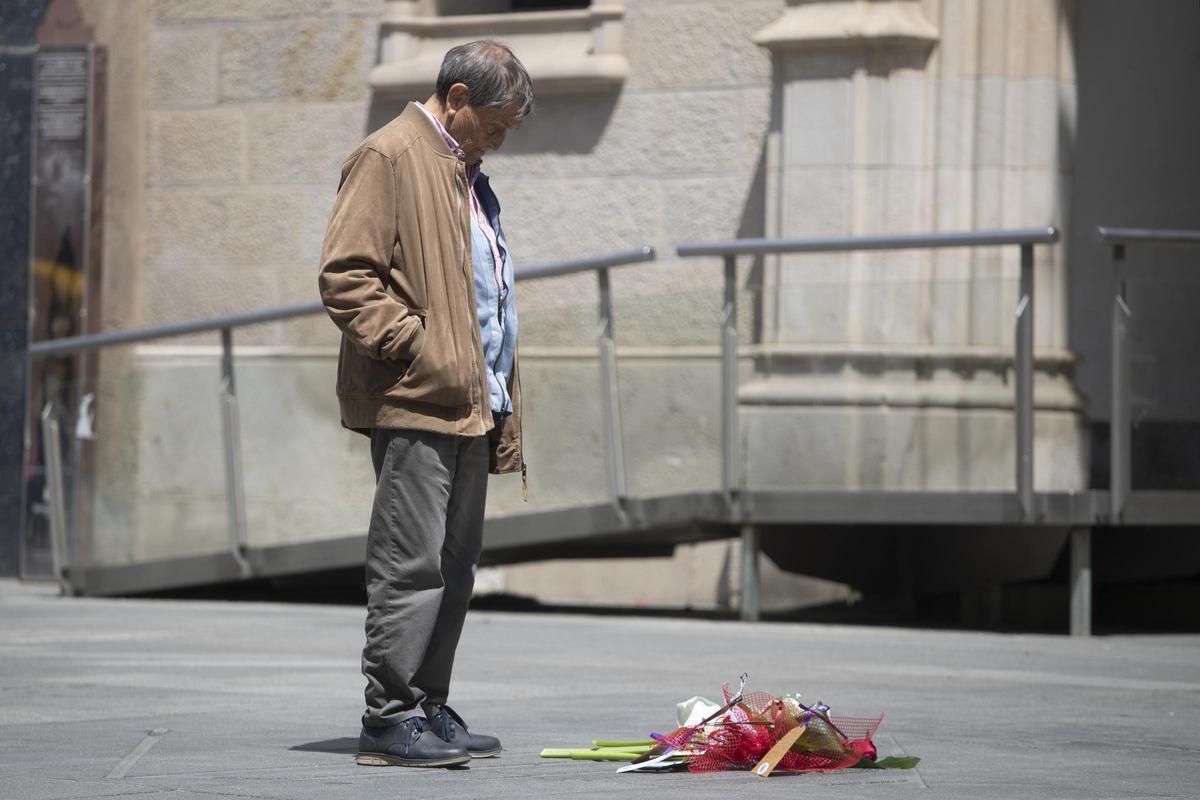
[64,246]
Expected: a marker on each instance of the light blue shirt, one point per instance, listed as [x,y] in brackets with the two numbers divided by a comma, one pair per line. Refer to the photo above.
[496,305]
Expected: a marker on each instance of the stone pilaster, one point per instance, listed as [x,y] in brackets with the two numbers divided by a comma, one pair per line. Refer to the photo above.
[894,370]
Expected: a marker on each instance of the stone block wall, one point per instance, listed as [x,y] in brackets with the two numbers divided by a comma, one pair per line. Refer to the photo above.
[247,110]
[251,108]
[229,125]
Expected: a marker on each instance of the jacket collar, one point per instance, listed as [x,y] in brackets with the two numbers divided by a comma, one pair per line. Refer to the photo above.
[411,115]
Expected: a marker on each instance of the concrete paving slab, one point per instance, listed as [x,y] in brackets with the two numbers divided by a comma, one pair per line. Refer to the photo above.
[201,699]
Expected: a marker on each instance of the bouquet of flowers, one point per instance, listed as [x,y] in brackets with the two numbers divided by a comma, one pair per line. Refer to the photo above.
[753,731]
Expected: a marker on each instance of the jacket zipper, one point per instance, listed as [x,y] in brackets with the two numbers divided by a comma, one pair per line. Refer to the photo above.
[469,276]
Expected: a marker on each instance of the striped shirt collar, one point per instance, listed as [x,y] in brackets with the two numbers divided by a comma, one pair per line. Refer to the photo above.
[452,143]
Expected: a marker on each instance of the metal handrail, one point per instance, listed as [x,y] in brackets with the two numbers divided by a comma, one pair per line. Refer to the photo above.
[1109,235]
[848,244]
[586,264]
[1120,436]
[77,344]
[234,490]
[95,341]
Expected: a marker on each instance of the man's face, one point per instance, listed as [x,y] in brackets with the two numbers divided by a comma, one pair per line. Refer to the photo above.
[478,130]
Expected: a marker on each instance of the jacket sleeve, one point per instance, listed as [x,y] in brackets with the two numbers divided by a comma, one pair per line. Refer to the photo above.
[356,258]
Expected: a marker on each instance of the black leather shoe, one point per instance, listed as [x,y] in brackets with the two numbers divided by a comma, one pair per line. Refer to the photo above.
[409,744]
[450,727]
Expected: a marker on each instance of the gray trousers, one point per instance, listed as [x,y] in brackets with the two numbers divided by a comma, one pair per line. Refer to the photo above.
[422,547]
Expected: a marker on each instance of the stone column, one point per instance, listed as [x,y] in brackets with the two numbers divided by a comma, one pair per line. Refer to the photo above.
[895,370]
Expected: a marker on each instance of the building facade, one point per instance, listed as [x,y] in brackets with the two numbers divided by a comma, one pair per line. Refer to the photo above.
[657,122]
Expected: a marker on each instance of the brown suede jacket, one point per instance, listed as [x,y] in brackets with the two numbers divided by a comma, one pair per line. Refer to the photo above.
[396,277]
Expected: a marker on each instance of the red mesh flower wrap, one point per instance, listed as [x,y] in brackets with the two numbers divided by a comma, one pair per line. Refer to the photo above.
[741,737]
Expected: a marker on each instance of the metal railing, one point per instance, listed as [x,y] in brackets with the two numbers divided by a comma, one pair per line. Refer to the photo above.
[1025,239]
[231,434]
[1023,355]
[739,510]
[1120,436]
[610,397]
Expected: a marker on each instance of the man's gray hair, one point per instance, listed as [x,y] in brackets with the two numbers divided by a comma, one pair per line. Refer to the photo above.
[492,73]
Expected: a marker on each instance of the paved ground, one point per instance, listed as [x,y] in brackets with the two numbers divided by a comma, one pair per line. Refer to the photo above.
[190,699]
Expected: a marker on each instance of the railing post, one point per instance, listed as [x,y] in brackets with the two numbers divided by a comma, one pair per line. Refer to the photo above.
[751,601]
[235,499]
[1119,433]
[1024,384]
[1081,582]
[56,488]
[730,455]
[610,394]
[751,605]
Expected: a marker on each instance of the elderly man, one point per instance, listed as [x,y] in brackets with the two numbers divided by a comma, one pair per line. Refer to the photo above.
[416,273]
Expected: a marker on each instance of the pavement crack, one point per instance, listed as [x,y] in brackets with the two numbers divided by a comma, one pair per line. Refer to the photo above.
[125,793]
[218,793]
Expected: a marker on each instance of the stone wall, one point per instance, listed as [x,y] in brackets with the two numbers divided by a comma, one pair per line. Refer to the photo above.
[228,125]
[248,111]
[251,108]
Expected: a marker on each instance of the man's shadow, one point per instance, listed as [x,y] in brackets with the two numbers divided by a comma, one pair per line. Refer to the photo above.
[345,746]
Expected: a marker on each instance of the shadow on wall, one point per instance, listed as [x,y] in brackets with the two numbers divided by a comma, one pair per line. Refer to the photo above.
[560,124]
[564,125]
[753,225]
[1134,165]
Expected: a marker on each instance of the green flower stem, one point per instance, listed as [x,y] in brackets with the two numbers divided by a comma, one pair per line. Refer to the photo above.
[589,754]
[647,743]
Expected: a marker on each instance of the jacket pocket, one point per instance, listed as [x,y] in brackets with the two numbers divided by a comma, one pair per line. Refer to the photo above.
[359,375]
[434,375]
